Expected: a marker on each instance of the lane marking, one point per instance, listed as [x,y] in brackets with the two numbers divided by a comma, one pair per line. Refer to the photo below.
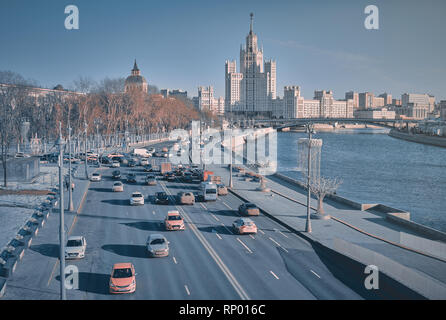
[227,206]
[252,236]
[218,236]
[283,234]
[274,275]
[227,228]
[204,207]
[153,212]
[278,244]
[215,217]
[315,274]
[260,230]
[175,260]
[243,244]
[187,290]
[232,280]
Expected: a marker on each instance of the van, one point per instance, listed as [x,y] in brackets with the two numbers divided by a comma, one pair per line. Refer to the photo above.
[208,191]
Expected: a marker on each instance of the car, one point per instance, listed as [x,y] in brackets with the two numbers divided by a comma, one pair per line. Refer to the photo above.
[164,149]
[249,209]
[157,154]
[95,177]
[136,199]
[222,189]
[115,164]
[148,168]
[116,174]
[170,176]
[244,226]
[174,221]
[151,180]
[144,162]
[186,198]
[151,149]
[118,187]
[161,198]
[131,163]
[122,278]
[131,177]
[165,155]
[157,245]
[187,176]
[75,247]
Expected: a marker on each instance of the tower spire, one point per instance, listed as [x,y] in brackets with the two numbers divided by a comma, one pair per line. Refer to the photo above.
[135,66]
[252,20]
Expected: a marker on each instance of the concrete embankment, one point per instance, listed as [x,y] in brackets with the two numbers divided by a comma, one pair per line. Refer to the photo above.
[419,138]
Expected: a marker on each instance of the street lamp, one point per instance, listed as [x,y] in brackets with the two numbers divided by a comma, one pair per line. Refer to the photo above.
[310,131]
[70,190]
[85,150]
[60,142]
[97,122]
[230,163]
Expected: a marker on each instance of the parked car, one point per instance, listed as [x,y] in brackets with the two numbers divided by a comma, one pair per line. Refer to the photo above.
[122,278]
[174,221]
[157,245]
[249,209]
[244,225]
[186,198]
[161,198]
[118,186]
[115,164]
[116,174]
[148,168]
[222,189]
[131,177]
[151,180]
[136,199]
[95,177]
[75,247]
[144,162]
[170,176]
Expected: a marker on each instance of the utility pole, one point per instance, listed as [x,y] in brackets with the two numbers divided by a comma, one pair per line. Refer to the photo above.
[97,121]
[230,164]
[310,131]
[61,143]
[70,190]
[85,150]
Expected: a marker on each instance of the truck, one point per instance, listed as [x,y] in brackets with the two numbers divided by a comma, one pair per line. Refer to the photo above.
[166,167]
[141,152]
[210,177]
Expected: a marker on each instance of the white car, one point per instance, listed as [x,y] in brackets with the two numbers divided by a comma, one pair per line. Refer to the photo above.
[151,149]
[144,162]
[118,186]
[95,177]
[75,248]
[115,164]
[136,199]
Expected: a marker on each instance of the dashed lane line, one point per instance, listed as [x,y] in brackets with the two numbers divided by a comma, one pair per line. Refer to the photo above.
[315,274]
[243,244]
[274,275]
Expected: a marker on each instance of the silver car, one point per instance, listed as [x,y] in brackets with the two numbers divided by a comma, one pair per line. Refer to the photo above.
[157,245]
[75,247]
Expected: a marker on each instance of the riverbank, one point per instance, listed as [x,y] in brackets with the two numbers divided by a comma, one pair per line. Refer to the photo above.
[419,138]
[323,127]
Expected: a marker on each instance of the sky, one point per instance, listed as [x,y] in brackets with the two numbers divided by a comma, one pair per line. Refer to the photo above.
[178,44]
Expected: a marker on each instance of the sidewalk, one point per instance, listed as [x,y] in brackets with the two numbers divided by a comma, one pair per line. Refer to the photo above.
[326,231]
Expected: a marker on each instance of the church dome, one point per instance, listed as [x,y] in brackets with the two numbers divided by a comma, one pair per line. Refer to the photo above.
[135,80]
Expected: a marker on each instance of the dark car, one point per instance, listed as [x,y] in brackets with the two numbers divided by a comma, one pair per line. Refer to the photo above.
[150,180]
[161,198]
[131,177]
[131,163]
[116,174]
[249,209]
[148,168]
[170,176]
[187,176]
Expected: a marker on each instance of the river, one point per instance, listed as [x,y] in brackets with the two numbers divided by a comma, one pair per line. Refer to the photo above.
[376,168]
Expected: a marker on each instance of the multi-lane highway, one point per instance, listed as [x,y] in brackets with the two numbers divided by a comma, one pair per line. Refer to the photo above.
[206,261]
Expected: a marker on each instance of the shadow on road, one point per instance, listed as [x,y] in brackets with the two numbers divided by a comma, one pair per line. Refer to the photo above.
[229,213]
[216,229]
[93,282]
[47,249]
[117,202]
[127,250]
[146,225]
[101,189]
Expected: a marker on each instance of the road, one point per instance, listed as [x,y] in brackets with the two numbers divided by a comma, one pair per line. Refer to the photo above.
[206,261]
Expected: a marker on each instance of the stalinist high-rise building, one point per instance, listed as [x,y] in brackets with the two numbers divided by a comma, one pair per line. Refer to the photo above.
[251,91]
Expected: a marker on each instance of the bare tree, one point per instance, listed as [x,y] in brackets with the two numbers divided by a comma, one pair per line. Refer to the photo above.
[322,187]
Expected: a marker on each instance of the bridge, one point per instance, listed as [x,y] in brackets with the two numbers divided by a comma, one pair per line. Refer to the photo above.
[295,122]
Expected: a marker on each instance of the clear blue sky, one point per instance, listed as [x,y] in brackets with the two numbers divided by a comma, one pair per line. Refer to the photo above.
[318,44]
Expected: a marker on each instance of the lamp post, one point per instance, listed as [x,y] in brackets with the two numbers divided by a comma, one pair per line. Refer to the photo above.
[230,163]
[60,143]
[310,131]
[85,150]
[70,190]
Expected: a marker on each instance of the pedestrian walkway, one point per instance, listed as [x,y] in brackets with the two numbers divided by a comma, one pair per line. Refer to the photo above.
[326,231]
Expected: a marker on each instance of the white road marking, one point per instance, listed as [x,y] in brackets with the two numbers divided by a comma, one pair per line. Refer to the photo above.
[261,231]
[187,290]
[227,228]
[252,236]
[283,234]
[153,212]
[215,217]
[275,276]
[218,236]
[243,244]
[204,207]
[175,260]
[227,206]
[315,274]
[278,244]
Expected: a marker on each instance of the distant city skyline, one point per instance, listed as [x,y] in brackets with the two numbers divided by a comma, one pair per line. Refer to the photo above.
[317,44]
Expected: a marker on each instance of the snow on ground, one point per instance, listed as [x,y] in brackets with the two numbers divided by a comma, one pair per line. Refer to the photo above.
[12,215]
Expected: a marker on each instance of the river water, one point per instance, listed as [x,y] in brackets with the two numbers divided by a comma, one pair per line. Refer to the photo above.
[376,168]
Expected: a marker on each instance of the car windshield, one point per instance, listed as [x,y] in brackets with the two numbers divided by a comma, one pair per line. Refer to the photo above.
[74,243]
[211,191]
[122,273]
[96,174]
[174,218]
[157,241]
[118,184]
[248,223]
[251,206]
[116,172]
[161,195]
[137,195]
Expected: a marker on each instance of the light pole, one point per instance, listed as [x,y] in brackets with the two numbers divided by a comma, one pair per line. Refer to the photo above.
[60,143]
[310,131]
[230,163]
[97,122]
[85,150]
[70,190]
